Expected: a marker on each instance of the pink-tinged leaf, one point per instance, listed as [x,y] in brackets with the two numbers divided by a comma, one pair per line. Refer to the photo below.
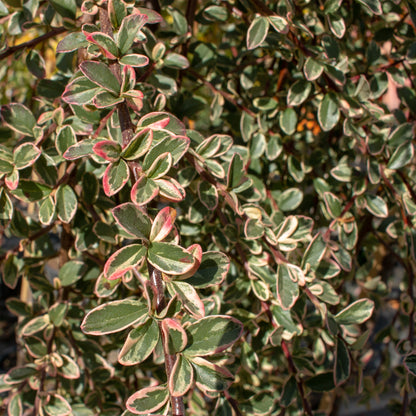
[105,99]
[212,334]
[72,42]
[128,78]
[25,155]
[174,335]
[162,224]
[138,145]
[170,189]
[152,16]
[80,91]
[287,288]
[209,376]
[115,177]
[129,28]
[114,316]
[100,74]
[181,377]
[173,124]
[140,343]
[133,220]
[105,287]
[170,258]
[196,251]
[189,298]
[123,260]
[160,167]
[106,44]
[69,368]
[148,400]
[108,150]
[55,404]
[134,100]
[80,149]
[134,59]
[144,190]
[12,180]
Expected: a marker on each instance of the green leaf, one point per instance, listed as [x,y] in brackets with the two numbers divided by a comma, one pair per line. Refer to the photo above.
[213,13]
[288,120]
[209,376]
[321,382]
[373,6]
[134,59]
[66,203]
[15,405]
[144,190]
[55,405]
[298,92]
[333,204]
[286,286]
[410,363]
[289,393]
[401,156]
[162,224]
[312,69]
[170,258]
[279,24]
[57,313]
[80,91]
[208,194]
[148,400]
[289,199]
[189,298]
[140,343]
[356,313]
[170,189]
[101,75]
[337,25]
[129,28]
[106,44]
[138,145]
[114,316]
[181,377]
[11,270]
[72,42]
[342,363]
[25,155]
[160,167]
[71,272]
[19,118]
[314,253]
[66,8]
[257,32]
[115,177]
[328,112]
[36,325]
[6,206]
[174,335]
[376,205]
[212,270]
[69,369]
[235,171]
[36,64]
[65,138]
[133,220]
[212,334]
[105,99]
[80,149]
[123,260]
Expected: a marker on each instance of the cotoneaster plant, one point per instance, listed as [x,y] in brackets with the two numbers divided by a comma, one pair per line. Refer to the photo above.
[208,207]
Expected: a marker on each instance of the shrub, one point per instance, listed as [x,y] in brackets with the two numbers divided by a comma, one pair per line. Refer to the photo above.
[208,207]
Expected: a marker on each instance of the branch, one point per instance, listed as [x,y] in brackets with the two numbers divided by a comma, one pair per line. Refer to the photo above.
[31,43]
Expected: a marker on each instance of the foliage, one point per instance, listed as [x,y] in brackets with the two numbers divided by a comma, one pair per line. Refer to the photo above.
[212,205]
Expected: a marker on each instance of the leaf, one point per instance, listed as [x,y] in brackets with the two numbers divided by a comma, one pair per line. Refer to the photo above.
[36,64]
[35,325]
[115,177]
[342,363]
[279,24]
[321,382]
[105,99]
[64,139]
[66,8]
[108,150]
[288,120]
[212,334]
[138,145]
[19,118]
[123,260]
[72,42]
[174,335]
[25,155]
[333,204]
[312,69]
[6,206]
[209,376]
[80,149]
[129,28]
[144,190]
[208,195]
[100,74]
[134,59]
[356,313]
[162,224]
[401,156]
[30,191]
[66,203]
[328,112]
[176,146]
[298,92]
[71,272]
[133,220]
[314,253]
[373,6]
[181,377]
[80,91]
[160,167]
[69,368]
[189,298]
[15,405]
[410,363]
[257,32]
[148,400]
[235,171]
[106,44]
[287,288]
[376,205]
[212,270]
[289,199]
[55,405]
[114,316]
[170,258]
[140,343]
